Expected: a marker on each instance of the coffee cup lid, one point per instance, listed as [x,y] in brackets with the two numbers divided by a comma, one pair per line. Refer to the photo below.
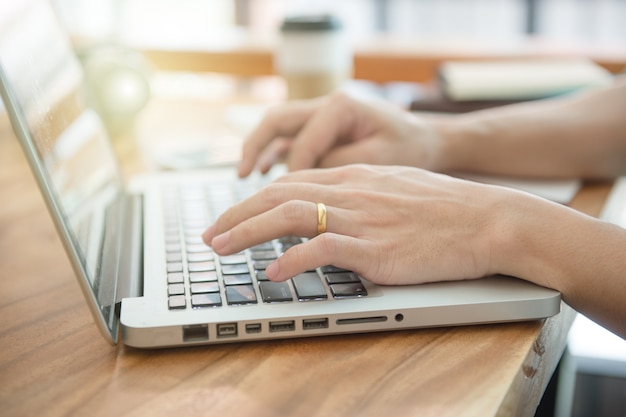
[323,22]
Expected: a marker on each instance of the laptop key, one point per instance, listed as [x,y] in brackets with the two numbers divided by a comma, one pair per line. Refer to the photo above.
[175,278]
[174,257]
[174,267]
[348,290]
[327,269]
[272,292]
[176,289]
[206,300]
[203,276]
[261,255]
[197,247]
[204,287]
[308,286]
[240,294]
[342,278]
[233,259]
[261,265]
[266,246]
[200,257]
[238,279]
[260,276]
[288,241]
[235,269]
[177,302]
[201,266]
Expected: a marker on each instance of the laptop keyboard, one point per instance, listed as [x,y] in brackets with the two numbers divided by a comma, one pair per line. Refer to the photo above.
[199,278]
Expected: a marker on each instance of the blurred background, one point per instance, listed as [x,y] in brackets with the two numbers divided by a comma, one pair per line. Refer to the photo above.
[200,21]
[192,42]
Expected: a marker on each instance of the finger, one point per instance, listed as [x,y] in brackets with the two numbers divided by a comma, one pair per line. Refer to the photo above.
[323,130]
[326,249]
[345,176]
[266,199]
[285,120]
[297,218]
[274,152]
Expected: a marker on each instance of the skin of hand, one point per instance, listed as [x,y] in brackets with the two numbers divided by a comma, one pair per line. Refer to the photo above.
[401,225]
[579,136]
[339,130]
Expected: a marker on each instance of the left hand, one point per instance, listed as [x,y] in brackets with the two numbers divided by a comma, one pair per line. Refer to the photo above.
[391,225]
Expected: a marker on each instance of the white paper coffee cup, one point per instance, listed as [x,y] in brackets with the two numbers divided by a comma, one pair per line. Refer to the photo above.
[313,56]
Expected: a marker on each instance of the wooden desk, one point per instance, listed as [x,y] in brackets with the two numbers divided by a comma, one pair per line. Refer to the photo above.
[379,59]
[53,361]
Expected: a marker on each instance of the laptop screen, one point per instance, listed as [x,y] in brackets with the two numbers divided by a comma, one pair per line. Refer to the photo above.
[63,139]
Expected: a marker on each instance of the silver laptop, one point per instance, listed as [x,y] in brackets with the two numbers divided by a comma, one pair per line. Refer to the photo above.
[136,248]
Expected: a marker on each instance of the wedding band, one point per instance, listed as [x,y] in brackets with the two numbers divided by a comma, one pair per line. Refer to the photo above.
[321,218]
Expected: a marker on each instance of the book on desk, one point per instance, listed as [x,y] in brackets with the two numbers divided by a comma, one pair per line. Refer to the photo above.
[464,86]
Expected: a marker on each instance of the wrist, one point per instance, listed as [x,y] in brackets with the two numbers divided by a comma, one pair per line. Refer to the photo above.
[536,240]
[459,139]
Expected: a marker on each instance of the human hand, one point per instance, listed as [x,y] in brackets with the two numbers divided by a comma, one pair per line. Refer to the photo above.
[391,225]
[338,130]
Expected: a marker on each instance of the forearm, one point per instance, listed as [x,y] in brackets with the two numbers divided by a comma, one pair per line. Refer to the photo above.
[580,256]
[581,137]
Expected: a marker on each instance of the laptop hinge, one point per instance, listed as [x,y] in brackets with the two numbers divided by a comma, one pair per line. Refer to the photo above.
[130,262]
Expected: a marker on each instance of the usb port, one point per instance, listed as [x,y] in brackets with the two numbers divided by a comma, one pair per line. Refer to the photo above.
[253,328]
[227,329]
[311,324]
[283,326]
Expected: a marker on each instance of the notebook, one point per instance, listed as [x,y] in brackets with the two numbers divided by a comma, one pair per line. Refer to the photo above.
[135,246]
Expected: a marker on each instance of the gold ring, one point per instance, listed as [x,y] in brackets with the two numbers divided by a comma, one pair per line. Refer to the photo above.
[321,218]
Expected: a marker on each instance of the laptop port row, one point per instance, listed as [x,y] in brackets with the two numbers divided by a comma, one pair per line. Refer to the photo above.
[227,330]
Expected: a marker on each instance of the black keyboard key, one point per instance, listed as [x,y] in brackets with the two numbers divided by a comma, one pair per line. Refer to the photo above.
[262,255]
[173,247]
[348,290]
[240,294]
[175,278]
[197,248]
[174,267]
[272,292]
[329,269]
[308,286]
[204,287]
[288,242]
[233,259]
[176,302]
[200,257]
[261,265]
[342,278]
[235,269]
[262,247]
[174,257]
[176,289]
[201,266]
[260,276]
[206,300]
[237,279]
[194,240]
[203,276]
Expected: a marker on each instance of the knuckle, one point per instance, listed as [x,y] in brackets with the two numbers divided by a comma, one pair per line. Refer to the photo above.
[294,210]
[273,193]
